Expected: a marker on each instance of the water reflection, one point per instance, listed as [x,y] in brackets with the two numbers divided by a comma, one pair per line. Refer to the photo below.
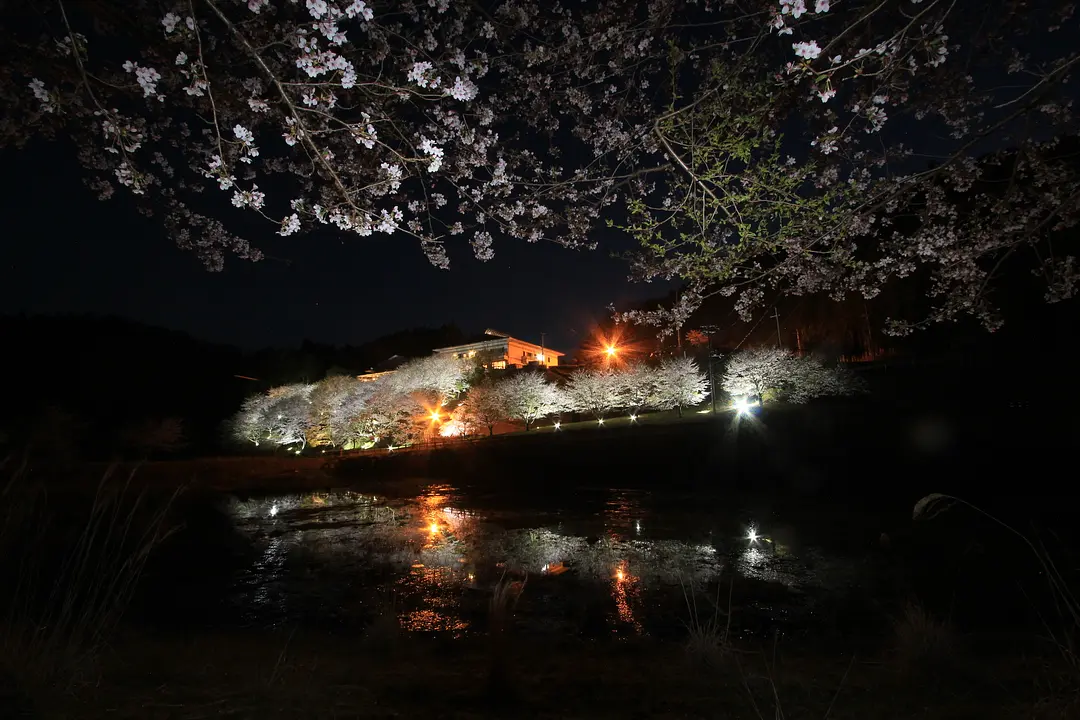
[436,561]
[622,513]
[625,593]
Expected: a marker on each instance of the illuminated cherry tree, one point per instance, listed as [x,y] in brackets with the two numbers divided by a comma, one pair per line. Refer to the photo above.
[460,423]
[594,391]
[289,414]
[637,386]
[772,373]
[335,401]
[252,423]
[529,397]
[345,425]
[442,374]
[486,406]
[680,384]
[758,148]
[389,417]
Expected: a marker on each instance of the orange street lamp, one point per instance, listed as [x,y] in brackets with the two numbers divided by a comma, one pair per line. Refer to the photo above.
[611,350]
[434,416]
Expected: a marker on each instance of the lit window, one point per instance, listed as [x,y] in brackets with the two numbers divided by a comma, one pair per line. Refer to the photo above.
[499,364]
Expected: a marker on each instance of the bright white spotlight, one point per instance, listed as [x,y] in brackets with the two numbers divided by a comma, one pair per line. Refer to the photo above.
[743,406]
[558,425]
[752,534]
[633,418]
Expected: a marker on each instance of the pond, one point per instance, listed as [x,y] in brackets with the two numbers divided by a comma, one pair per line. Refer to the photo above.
[590,562]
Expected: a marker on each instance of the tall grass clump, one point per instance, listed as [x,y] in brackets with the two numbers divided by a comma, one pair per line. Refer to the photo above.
[708,636]
[70,571]
[924,644]
[1065,632]
[500,615]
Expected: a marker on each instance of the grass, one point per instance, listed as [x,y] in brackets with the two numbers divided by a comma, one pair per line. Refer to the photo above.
[924,645]
[709,637]
[666,417]
[120,672]
[290,674]
[69,579]
[1064,629]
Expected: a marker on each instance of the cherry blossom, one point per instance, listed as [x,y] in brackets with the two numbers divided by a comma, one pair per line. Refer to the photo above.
[38,88]
[170,21]
[463,90]
[455,122]
[290,225]
[808,50]
[772,373]
[481,243]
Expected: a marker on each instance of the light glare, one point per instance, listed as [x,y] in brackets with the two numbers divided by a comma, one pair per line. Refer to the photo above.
[743,406]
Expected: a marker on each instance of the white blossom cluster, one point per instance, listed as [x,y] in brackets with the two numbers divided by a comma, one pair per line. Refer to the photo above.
[403,406]
[769,374]
[465,125]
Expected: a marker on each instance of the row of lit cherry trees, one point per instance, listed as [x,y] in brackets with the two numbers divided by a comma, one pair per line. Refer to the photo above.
[445,396]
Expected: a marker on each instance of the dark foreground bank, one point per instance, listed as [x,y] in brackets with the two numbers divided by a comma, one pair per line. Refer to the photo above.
[924,673]
[97,623]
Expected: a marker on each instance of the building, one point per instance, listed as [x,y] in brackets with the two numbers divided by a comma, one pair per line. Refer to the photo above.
[499,351]
[386,367]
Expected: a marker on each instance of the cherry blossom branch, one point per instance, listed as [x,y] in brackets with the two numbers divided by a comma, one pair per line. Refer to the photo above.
[303,131]
[209,88]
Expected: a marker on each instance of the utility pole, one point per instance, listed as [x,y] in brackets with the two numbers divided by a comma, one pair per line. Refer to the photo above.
[709,330]
[869,331]
[543,352]
[776,314]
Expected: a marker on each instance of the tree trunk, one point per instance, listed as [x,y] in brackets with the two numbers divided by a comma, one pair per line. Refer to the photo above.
[678,409]
[491,430]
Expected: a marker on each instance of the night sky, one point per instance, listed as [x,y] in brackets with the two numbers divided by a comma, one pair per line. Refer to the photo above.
[66,251]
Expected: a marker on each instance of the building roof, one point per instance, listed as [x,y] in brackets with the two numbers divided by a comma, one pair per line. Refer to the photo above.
[497,342]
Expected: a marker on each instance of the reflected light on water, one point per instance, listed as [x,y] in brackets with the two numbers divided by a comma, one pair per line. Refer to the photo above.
[431,621]
[623,589]
[268,570]
[438,556]
[621,512]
